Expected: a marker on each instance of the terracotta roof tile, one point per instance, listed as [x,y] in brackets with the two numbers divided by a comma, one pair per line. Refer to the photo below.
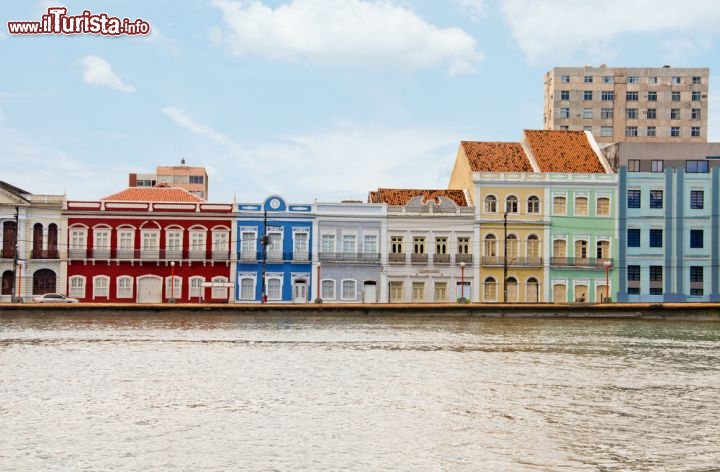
[563,151]
[154,194]
[496,157]
[400,196]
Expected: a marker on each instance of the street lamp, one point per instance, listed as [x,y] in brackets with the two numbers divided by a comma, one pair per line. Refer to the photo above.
[462,282]
[172,282]
[319,298]
[608,265]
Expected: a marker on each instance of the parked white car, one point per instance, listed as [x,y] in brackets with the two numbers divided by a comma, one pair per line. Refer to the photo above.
[54,298]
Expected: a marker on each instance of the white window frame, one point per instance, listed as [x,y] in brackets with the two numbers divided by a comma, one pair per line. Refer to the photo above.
[346,283]
[77,286]
[327,289]
[248,244]
[349,243]
[196,290]
[219,293]
[174,243]
[151,251]
[370,243]
[101,286]
[122,291]
[252,287]
[327,242]
[177,291]
[274,277]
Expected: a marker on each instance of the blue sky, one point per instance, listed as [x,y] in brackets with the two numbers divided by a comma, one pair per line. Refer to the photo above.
[310,99]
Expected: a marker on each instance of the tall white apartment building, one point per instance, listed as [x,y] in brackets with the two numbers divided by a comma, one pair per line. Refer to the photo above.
[656,104]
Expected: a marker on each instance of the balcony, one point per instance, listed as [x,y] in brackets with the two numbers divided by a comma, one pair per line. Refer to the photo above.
[532,261]
[418,258]
[248,257]
[396,258]
[441,258]
[220,255]
[100,253]
[466,258]
[580,262]
[44,254]
[300,256]
[197,254]
[77,253]
[351,257]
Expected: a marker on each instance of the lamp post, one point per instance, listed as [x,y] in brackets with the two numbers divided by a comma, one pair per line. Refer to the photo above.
[462,282]
[172,282]
[608,265]
[319,298]
[19,294]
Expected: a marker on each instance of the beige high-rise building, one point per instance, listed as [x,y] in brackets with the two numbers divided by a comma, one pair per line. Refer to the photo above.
[192,178]
[656,104]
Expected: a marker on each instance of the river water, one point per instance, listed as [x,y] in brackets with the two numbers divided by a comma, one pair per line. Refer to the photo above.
[220,393]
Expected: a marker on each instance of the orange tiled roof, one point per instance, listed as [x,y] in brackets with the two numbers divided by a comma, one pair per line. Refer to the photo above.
[400,196]
[496,157]
[154,194]
[563,151]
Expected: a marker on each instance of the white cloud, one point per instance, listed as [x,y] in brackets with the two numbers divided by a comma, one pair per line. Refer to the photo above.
[99,72]
[545,27]
[342,162]
[476,9]
[347,32]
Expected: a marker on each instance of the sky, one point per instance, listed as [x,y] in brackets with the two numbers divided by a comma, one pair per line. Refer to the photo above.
[309,99]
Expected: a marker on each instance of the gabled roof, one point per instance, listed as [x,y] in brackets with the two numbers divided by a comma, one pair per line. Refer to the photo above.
[401,196]
[563,151]
[154,194]
[496,157]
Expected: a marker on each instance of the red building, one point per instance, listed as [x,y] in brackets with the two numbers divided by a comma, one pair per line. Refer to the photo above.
[149,245]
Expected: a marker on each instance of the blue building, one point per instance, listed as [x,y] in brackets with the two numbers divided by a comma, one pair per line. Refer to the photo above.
[274,256]
[669,211]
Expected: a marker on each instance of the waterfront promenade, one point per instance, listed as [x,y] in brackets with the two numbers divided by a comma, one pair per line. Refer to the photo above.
[684,311]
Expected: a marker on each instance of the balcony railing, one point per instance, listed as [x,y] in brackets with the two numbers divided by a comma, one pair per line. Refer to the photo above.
[418,258]
[396,257]
[220,255]
[351,257]
[584,262]
[532,261]
[100,253]
[44,254]
[441,258]
[466,258]
[248,257]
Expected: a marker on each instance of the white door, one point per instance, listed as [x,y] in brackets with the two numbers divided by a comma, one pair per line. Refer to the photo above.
[300,292]
[370,292]
[149,289]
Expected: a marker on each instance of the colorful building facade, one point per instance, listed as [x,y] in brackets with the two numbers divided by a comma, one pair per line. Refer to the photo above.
[149,245]
[274,252]
[33,244]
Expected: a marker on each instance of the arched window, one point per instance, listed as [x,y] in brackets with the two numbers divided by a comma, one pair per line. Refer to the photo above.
[490,290]
[219,292]
[327,289]
[533,247]
[124,286]
[581,249]
[53,241]
[533,204]
[512,245]
[560,293]
[533,292]
[559,248]
[247,288]
[8,280]
[511,289]
[9,239]
[44,281]
[274,288]
[581,208]
[511,204]
[603,249]
[490,204]
[490,246]
[37,251]
[196,288]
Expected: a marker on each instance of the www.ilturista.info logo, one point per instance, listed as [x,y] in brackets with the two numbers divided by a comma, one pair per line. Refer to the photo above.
[57,21]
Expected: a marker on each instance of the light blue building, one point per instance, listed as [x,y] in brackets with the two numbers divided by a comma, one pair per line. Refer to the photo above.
[668,220]
[274,256]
